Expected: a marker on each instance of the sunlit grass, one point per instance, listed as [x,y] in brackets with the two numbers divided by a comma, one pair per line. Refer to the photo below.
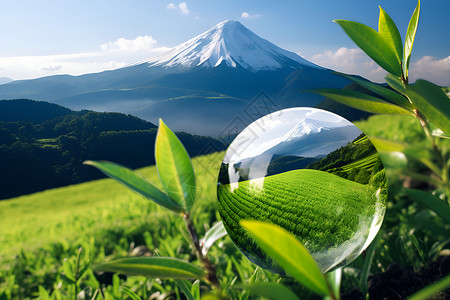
[63,214]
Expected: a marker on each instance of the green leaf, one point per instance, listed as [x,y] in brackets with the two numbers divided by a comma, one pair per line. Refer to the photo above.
[362,101]
[440,134]
[116,286]
[271,291]
[432,102]
[185,287]
[212,235]
[373,44]
[423,155]
[430,201]
[135,182]
[195,290]
[215,295]
[390,34]
[160,267]
[130,293]
[388,94]
[394,160]
[43,294]
[287,251]
[174,167]
[395,83]
[387,145]
[432,289]
[409,39]
[68,270]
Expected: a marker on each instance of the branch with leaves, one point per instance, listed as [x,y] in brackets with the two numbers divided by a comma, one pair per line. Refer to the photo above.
[178,180]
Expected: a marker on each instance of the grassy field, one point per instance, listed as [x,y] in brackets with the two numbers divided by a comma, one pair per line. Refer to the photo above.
[38,219]
[367,163]
[39,231]
[320,208]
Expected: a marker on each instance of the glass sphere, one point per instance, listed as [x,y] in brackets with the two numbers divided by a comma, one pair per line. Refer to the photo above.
[311,172]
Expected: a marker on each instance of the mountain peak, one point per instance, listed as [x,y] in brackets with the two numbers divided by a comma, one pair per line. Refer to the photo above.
[228,23]
[232,44]
[303,128]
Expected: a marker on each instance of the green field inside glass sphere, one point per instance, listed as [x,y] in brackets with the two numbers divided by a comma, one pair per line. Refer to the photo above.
[323,210]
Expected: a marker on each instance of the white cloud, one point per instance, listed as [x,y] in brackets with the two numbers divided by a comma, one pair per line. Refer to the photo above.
[122,44]
[355,61]
[111,55]
[246,15]
[432,69]
[351,61]
[181,7]
[52,68]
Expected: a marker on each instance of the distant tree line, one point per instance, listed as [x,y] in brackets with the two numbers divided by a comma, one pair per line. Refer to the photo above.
[357,161]
[46,148]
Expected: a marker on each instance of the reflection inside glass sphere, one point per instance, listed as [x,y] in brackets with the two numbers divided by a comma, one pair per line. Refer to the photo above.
[311,172]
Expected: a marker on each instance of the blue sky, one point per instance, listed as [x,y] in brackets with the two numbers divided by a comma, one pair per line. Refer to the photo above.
[47,37]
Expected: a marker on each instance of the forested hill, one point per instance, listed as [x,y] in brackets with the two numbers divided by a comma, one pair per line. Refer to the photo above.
[357,161]
[32,111]
[43,145]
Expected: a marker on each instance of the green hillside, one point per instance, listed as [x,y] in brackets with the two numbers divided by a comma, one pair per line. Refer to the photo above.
[62,214]
[38,231]
[45,144]
[358,161]
[297,200]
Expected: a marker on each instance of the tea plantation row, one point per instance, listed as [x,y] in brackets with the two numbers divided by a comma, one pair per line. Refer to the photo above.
[320,208]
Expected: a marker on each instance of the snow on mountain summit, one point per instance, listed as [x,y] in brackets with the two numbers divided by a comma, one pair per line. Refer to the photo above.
[231,43]
[304,127]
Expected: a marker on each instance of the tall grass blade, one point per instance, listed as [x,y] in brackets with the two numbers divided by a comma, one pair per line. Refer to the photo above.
[130,293]
[432,289]
[430,201]
[364,276]
[185,288]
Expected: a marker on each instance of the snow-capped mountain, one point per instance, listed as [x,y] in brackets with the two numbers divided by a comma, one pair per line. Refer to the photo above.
[201,86]
[304,127]
[230,43]
[308,141]
[310,138]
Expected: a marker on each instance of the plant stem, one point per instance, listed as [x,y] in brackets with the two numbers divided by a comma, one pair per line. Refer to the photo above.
[77,270]
[426,127]
[332,295]
[210,269]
